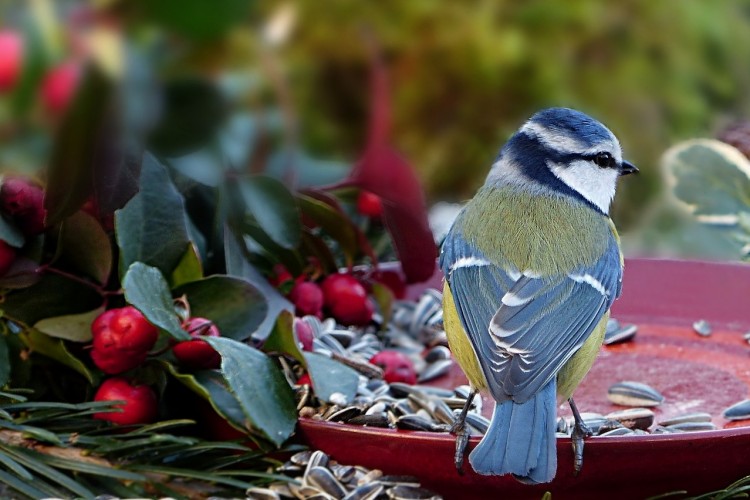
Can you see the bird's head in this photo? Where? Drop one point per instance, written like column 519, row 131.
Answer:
column 563, row 151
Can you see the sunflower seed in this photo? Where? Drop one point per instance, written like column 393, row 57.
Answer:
column 687, row 417
column 620, row 431
column 370, row 476
column 323, row 479
column 738, row 411
column 629, row 393
column 301, row 458
column 393, row 480
column 620, row 335
column 435, row 370
column 317, row 459
column 373, row 420
column 702, row 328
column 478, row 422
column 411, row 493
column 692, row 426
column 437, row 353
column 368, row 491
column 633, row 418
column 747, row 337
column 345, row 414
column 417, row 423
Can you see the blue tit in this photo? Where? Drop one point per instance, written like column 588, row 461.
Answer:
column 532, row 265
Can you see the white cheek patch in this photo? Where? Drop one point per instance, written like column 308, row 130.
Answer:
column 566, row 144
column 594, row 183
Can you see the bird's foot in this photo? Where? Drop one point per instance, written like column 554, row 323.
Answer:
column 460, row 430
column 579, row 433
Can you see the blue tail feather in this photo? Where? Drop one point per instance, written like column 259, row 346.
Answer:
column 521, row 439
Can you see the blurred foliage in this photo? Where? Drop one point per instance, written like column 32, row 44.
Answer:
column 466, row 74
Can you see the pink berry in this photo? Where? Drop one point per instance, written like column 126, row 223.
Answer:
column 346, row 299
column 11, row 59
column 140, row 405
column 7, row 257
column 121, row 339
column 307, row 298
column 369, row 204
column 22, row 199
column 58, row 87
column 198, row 354
column 397, row 367
column 304, row 334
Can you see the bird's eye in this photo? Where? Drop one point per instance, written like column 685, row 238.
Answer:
column 604, row 160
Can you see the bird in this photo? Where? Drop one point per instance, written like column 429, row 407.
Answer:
column 532, row 265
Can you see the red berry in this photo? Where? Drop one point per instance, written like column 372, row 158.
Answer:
column 58, row 87
column 393, row 280
column 7, row 257
column 369, row 204
column 122, row 338
column 281, row 276
column 198, row 354
column 304, row 379
column 397, row 367
column 304, row 334
column 307, row 298
column 11, row 59
column 24, row 201
column 140, row 405
column 346, row 299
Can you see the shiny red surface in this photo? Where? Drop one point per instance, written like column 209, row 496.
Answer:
column 693, row 373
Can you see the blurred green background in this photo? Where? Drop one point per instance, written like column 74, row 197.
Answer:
column 465, row 74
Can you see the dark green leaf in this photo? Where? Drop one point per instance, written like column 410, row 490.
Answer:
column 52, row 296
column 147, row 290
column 258, row 242
column 53, row 348
column 71, row 166
column 151, row 228
column 265, row 397
column 282, row 339
column 22, row 274
column 274, row 208
column 86, row 246
column 235, row 306
column 31, row 460
column 10, row 233
column 211, row 386
column 15, row 467
column 197, row 19
column 192, row 474
column 190, row 267
column 315, row 246
column 73, row 327
column 238, row 265
column 4, row 361
column 331, row 377
column 334, row 222
column 193, row 111
column 384, row 298
column 22, row 486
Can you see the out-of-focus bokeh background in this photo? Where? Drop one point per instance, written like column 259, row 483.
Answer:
column 463, row 76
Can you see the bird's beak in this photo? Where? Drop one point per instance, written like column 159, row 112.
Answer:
column 628, row 168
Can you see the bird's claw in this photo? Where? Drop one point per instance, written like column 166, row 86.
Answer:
column 580, row 432
column 462, row 442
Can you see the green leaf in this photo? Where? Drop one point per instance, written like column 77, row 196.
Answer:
column 712, row 178
column 147, row 290
column 151, row 228
column 235, row 306
column 73, row 327
column 275, row 209
column 34, row 66
column 52, row 296
column 238, row 265
column 282, row 339
column 333, row 222
column 265, row 397
column 330, row 377
column 72, row 163
column 21, row 486
column 211, row 386
column 190, row 267
column 195, row 18
column 384, row 298
column 86, row 246
column 55, row 349
column 10, row 233
column 4, row 361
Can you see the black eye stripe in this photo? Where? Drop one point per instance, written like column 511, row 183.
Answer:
column 602, row 159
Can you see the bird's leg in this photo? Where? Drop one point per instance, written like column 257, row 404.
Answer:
column 462, row 433
column 580, row 431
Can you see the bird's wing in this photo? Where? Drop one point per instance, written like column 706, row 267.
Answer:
column 525, row 327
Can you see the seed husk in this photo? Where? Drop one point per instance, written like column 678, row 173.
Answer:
column 344, row 414
column 437, row 353
column 620, row 335
column 702, row 328
column 368, row 491
column 411, row 493
column 435, row 370
column 692, row 426
column 323, row 479
column 738, row 411
column 478, row 422
column 394, row 480
column 629, row 393
column 620, row 431
column 262, row 494
column 633, row 418
column 371, row 420
column 687, row 417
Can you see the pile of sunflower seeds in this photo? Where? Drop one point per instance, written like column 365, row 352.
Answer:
column 316, row 476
